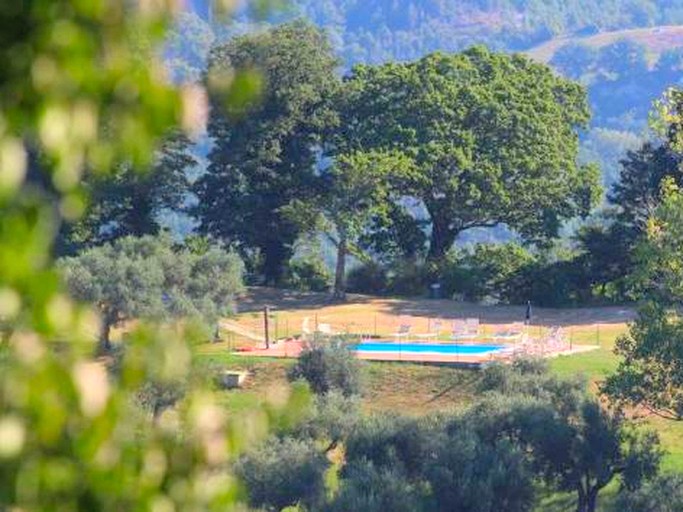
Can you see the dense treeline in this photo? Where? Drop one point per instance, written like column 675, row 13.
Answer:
column 476, row 139
column 393, row 164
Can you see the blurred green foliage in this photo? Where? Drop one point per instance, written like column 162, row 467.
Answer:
column 81, row 91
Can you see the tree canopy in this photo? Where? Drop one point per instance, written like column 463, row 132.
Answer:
column 494, row 139
column 264, row 156
column 145, row 278
column 129, row 201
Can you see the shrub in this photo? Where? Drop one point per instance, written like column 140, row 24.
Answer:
column 663, row 494
column 468, row 474
column 308, row 275
column 555, row 284
column 408, row 278
column 531, row 378
column 331, row 420
column 396, row 463
column 283, row 473
column 370, row 278
column 371, row 489
column 327, row 365
column 390, row 441
column 487, row 271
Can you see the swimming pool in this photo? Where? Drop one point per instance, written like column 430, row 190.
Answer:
column 427, row 348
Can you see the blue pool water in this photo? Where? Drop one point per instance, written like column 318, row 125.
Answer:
column 427, row 348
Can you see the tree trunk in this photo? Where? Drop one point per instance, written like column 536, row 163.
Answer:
column 105, row 333
column 592, row 501
column 442, row 238
column 588, row 499
column 581, row 502
column 156, row 412
column 340, row 272
column 275, row 257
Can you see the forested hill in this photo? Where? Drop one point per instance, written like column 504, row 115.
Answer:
column 378, row 30
column 627, row 52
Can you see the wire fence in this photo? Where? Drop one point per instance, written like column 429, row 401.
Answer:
column 253, row 328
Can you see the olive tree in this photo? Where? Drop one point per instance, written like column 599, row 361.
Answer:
column 146, row 278
column 283, row 473
column 572, row 442
column 328, row 365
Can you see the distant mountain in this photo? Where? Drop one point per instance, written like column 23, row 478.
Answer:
column 655, row 40
column 378, row 30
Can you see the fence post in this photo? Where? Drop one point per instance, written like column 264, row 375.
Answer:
column 266, row 313
column 571, row 339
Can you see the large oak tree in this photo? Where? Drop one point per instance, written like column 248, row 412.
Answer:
column 495, row 138
column 264, row 156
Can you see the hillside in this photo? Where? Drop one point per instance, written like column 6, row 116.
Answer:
column 378, row 30
column 655, row 40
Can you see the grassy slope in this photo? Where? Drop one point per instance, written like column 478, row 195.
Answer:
column 655, row 39
column 419, row 389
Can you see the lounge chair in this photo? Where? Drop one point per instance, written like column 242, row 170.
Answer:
column 467, row 329
column 472, row 326
column 556, row 340
column 434, row 330
column 306, row 331
column 326, row 329
column 402, row 332
column 512, row 332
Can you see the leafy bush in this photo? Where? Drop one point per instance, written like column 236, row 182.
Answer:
column 283, row 473
column 370, row 278
column 332, row 418
column 407, row 464
column 147, row 278
column 390, row 441
column 466, row 473
column 487, row 271
column 308, row 275
column 571, row 441
column 531, row 378
column 663, row 494
column 408, row 278
column 328, row 365
column 556, row 284
column 377, row 489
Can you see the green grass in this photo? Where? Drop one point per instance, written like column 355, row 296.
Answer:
column 594, row 365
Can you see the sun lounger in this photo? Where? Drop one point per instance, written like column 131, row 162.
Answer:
column 326, row 329
column 306, row 328
column 467, row 329
column 511, row 332
column 556, row 340
column 402, row 332
column 434, row 330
